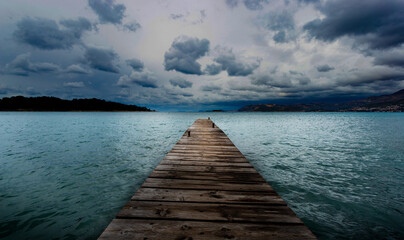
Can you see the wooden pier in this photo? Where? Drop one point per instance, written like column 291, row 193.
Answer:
column 206, row 189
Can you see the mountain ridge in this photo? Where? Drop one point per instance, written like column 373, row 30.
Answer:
column 44, row 103
column 384, row 103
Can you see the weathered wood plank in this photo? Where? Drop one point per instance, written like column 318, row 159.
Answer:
column 223, row 155
column 210, row 158
column 225, row 177
column 206, row 185
column 206, row 196
column 205, row 163
column 139, row 229
column 204, row 169
column 211, row 212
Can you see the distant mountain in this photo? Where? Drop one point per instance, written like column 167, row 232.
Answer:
column 385, row 103
column 20, row 103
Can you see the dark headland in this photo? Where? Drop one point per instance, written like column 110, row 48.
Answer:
column 385, row 103
column 20, row 103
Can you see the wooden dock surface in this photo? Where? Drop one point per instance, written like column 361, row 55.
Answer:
column 206, row 189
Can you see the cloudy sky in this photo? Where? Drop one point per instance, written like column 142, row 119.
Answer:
column 200, row 55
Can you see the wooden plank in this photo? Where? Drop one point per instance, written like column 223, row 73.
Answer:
column 205, row 184
column 205, row 155
column 139, row 229
column 188, row 147
column 210, row 151
column 205, row 188
column 206, row 196
column 205, row 163
column 210, row 158
column 211, row 212
column 224, row 177
column 204, row 169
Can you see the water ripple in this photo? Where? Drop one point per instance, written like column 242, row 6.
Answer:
column 342, row 173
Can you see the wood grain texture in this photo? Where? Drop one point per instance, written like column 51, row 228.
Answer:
column 205, row 188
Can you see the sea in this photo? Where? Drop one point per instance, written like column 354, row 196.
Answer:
column 65, row 175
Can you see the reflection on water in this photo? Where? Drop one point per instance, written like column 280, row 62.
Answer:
column 66, row 175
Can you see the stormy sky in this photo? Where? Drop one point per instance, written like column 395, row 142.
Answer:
column 202, row 55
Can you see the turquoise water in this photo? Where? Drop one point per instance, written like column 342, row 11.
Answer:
column 65, row 175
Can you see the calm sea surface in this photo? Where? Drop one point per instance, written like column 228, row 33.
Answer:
column 66, row 175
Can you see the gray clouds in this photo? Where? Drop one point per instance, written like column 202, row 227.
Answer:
column 211, row 88
column 135, row 64
column 22, row 66
column 77, row 26
column 324, row 68
column 108, row 11
column 282, row 23
column 77, row 69
column 232, row 3
column 180, row 82
column 376, row 24
column 176, row 16
column 391, row 59
column 132, row 26
column 46, row 34
column 249, row 4
column 184, row 53
column 282, row 80
column 254, row 4
column 234, row 67
column 212, row 69
column 144, row 79
column 74, row 84
column 101, row 59
column 266, row 80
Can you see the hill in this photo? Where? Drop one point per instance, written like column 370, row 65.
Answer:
column 385, row 103
column 20, row 103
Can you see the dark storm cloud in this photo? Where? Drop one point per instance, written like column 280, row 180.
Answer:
column 101, row 59
column 45, row 33
column 282, row 23
column 376, row 75
column 303, row 80
column 143, row 79
column 377, row 24
column 180, row 82
column 212, row 69
column 280, row 37
column 132, row 26
column 254, row 4
column 74, row 84
column 393, row 59
column 266, row 80
column 184, row 52
column 294, row 80
column 309, row 1
column 211, row 88
column 108, row 11
column 324, row 68
column 77, row 69
column 233, row 66
column 250, row 4
column 77, row 26
column 177, row 92
column 22, row 66
column 135, row 64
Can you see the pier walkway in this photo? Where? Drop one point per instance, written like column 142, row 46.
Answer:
column 205, row 188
